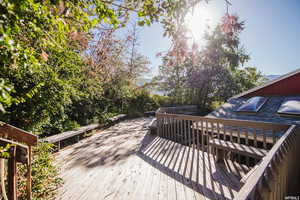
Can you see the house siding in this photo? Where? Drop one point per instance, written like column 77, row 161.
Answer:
column 287, row 87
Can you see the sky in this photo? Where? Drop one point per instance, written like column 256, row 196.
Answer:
column 271, row 35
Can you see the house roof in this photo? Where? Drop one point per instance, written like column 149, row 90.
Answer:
column 268, row 113
column 268, row 84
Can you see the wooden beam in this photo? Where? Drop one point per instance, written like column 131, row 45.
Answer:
column 19, row 135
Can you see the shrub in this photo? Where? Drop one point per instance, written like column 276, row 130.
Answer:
column 45, row 179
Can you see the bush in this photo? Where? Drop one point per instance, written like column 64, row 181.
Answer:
column 141, row 102
column 45, row 179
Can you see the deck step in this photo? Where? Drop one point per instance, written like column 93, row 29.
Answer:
column 238, row 148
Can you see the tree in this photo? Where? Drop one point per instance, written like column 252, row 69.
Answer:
column 53, row 79
column 137, row 64
column 214, row 73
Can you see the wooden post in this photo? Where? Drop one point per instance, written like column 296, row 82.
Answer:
column 12, row 174
column 29, row 173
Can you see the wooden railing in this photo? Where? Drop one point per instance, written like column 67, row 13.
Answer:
column 277, row 176
column 186, row 128
column 274, row 177
column 19, row 149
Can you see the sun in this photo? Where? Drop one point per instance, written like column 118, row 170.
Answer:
column 200, row 20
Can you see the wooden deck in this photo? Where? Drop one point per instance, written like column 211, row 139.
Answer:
column 126, row 162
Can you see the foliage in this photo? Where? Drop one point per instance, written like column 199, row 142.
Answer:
column 41, row 51
column 54, row 78
column 214, row 74
column 4, row 151
column 44, row 174
column 62, row 66
column 140, row 102
column 5, row 97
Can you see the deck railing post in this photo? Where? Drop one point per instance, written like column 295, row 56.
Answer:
column 29, row 196
column 12, row 174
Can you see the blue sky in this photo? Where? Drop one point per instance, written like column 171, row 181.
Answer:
column 271, row 35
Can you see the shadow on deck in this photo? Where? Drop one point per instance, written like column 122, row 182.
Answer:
column 192, row 167
column 124, row 161
column 110, row 147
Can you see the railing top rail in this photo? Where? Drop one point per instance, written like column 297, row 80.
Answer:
column 228, row 122
column 254, row 178
column 13, row 133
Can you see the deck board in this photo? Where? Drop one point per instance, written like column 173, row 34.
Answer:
column 126, row 162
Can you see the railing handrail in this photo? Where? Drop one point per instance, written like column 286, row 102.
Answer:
column 13, row 133
column 254, row 179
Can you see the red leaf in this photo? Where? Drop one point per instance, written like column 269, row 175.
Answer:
column 44, row 55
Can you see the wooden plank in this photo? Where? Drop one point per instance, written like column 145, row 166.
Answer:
column 239, row 148
column 12, row 175
column 19, row 135
column 68, row 134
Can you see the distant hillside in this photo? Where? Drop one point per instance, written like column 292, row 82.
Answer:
column 142, row 81
column 271, row 77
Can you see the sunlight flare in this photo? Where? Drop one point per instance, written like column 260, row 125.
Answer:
column 201, row 19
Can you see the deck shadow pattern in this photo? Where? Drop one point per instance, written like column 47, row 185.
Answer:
column 126, row 162
column 110, row 147
column 193, row 167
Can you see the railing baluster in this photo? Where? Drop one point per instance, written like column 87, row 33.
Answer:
column 185, row 131
column 264, row 139
column 181, row 131
column 163, row 127
column 177, row 130
column 239, row 142
column 168, row 129
column 158, row 126
column 189, row 132
column 172, row 128
column 218, row 130
column 231, row 137
column 224, row 132
column 247, row 143
column 202, row 136
column 193, row 130
column 207, row 136
column 197, row 128
column 274, row 136
column 255, row 137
